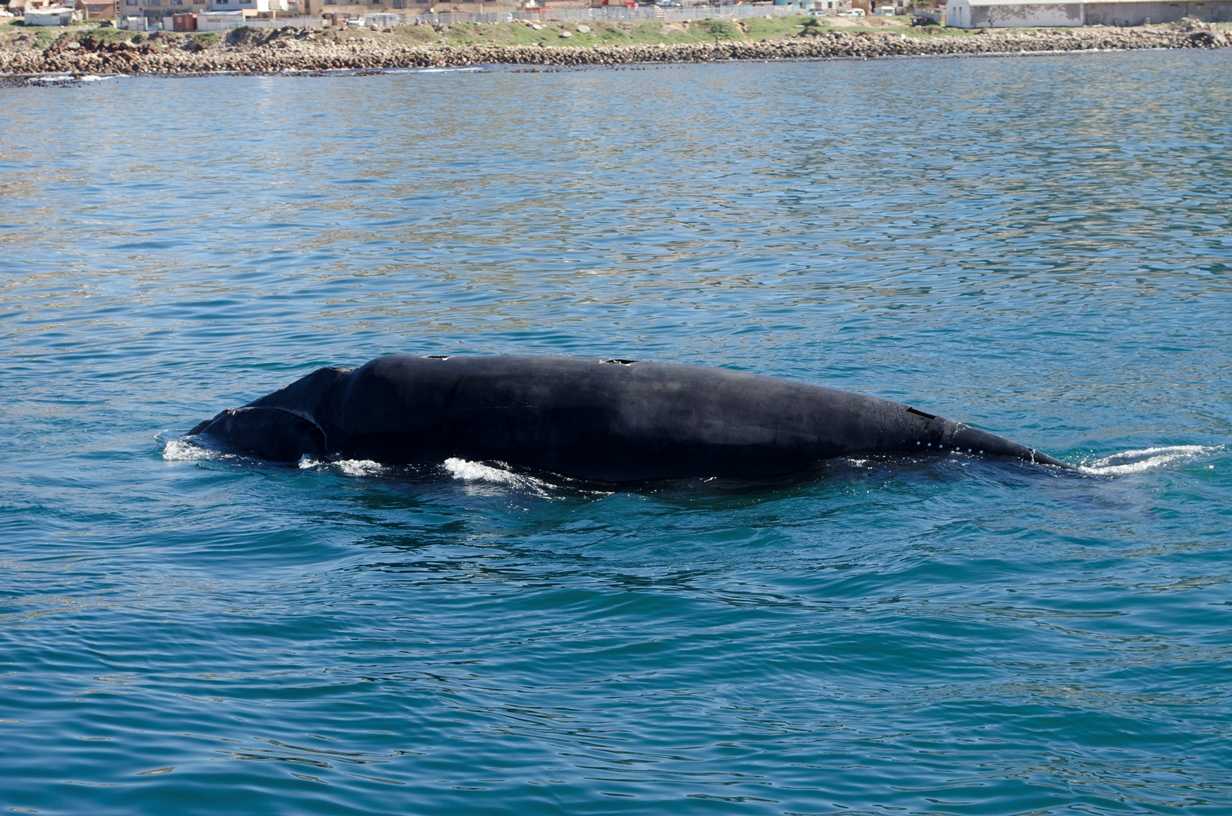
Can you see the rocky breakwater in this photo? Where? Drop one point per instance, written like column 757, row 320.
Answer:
column 290, row 49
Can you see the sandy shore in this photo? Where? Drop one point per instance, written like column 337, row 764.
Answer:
column 290, row 49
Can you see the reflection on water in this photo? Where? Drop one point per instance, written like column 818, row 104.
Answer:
column 1039, row 246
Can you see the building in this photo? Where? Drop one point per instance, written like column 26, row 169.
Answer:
column 250, row 8
column 1050, row 13
column 351, row 8
column 163, row 9
column 22, row 6
column 97, row 9
column 158, row 9
column 51, row 16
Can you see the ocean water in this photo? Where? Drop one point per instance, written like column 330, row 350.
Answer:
column 1039, row 246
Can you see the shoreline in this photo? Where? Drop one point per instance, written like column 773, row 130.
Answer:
column 300, row 51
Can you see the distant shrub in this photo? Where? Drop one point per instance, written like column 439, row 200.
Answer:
column 722, row 29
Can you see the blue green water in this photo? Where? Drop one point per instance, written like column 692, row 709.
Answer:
column 1039, row 246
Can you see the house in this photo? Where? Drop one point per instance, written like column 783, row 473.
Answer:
column 22, row 6
column 51, row 16
column 353, row 8
column 1016, row 13
column 164, row 9
column 157, row 9
column 97, row 9
column 381, row 19
column 219, row 20
column 831, row 6
column 250, row 8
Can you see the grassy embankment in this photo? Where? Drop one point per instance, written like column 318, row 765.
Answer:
column 39, row 37
column 547, row 34
column 650, row 32
column 654, row 32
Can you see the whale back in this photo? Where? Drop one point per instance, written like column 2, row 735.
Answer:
column 616, row 421
column 607, row 420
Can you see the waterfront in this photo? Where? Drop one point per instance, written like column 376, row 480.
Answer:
column 1040, row 246
column 557, row 45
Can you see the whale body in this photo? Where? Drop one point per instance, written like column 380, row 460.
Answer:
column 604, row 421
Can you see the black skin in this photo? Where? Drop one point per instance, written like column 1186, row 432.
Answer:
column 603, row 421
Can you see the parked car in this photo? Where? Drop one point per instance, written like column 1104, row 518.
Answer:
column 853, row 13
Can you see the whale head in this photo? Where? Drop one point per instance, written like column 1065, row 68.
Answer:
column 276, row 434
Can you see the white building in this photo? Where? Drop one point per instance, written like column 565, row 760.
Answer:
column 156, row 9
column 219, row 20
column 51, row 16
column 249, row 7
column 1050, row 13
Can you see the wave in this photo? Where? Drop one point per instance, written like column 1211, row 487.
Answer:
column 181, row 450
column 347, row 467
column 71, row 79
column 465, row 69
column 465, row 470
column 1124, row 463
column 1144, row 459
column 184, row 450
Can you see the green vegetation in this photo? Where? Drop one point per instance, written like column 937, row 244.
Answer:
column 810, row 27
column 926, row 32
column 547, row 34
column 654, row 32
column 103, row 35
column 777, row 28
column 723, row 30
column 43, row 36
column 650, row 32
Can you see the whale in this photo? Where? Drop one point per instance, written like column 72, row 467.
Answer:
column 607, row 421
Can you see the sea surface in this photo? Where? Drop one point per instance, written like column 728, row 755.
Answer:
column 1039, row 246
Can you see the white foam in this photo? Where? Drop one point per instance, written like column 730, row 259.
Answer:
column 69, row 79
column 359, row 467
column 181, row 450
column 347, row 467
column 468, row 471
column 475, row 474
column 1144, row 459
column 469, row 69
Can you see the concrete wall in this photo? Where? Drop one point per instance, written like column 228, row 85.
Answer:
column 964, row 14
column 958, row 13
column 1026, row 15
column 157, row 9
column 61, row 17
column 259, row 6
column 1140, row 13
